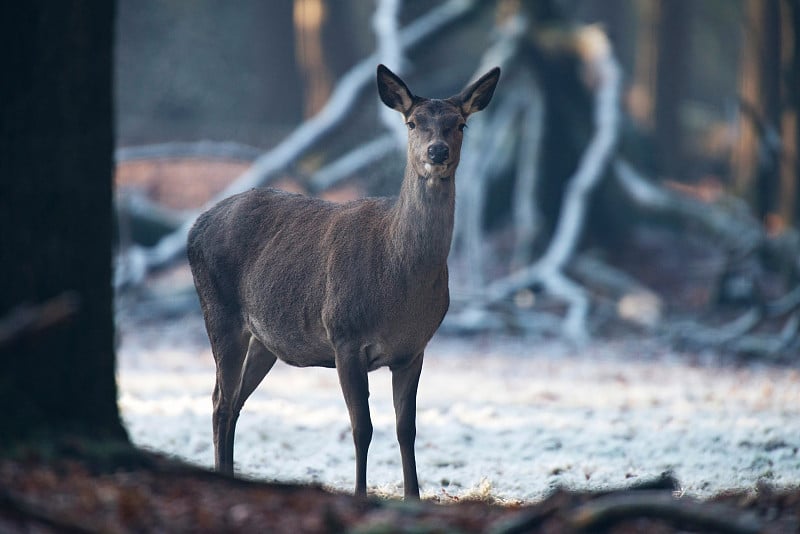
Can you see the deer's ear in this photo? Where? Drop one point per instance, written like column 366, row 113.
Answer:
column 393, row 91
column 477, row 95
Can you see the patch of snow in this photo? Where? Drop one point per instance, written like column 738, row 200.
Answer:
column 511, row 419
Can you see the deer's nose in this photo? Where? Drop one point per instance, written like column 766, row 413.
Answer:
column 438, row 152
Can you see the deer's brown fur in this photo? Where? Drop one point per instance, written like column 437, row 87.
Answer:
column 354, row 286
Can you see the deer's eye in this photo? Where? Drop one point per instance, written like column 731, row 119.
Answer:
column 411, row 125
column 462, row 126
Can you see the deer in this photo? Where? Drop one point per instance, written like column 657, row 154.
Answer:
column 353, row 286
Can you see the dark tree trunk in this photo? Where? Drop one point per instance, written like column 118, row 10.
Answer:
column 790, row 123
column 757, row 156
column 672, row 62
column 769, row 173
column 57, row 362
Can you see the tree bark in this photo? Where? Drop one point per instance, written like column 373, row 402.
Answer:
column 757, row 154
column 56, row 148
column 673, row 48
column 790, row 119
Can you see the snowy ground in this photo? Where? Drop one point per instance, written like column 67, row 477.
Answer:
column 505, row 418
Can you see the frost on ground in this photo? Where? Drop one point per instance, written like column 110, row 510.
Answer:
column 507, row 419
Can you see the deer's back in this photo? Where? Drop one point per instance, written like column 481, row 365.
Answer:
column 302, row 274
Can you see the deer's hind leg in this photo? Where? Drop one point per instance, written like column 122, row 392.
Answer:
column 239, row 372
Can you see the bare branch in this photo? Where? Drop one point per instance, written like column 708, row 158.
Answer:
column 737, row 231
column 718, row 335
column 548, row 270
column 788, row 302
column 29, row 320
column 769, row 344
column 606, row 511
column 527, row 219
column 488, row 134
column 179, row 150
column 592, row 164
column 352, row 162
column 386, row 28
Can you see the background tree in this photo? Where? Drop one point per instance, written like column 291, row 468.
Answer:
column 57, row 329
column 673, row 46
column 756, row 160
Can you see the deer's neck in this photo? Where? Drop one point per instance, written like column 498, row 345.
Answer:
column 421, row 225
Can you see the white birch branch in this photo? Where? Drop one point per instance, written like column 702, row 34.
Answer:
column 486, row 136
column 387, row 37
column 197, row 149
column 482, row 156
column 548, row 270
column 352, row 162
column 525, row 210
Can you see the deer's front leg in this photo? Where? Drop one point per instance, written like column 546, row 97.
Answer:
column 355, row 387
column 404, row 389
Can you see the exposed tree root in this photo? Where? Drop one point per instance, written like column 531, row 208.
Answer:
column 608, row 510
column 163, row 496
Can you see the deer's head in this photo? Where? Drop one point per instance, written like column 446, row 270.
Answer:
column 435, row 127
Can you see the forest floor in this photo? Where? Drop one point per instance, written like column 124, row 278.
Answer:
column 514, row 435
column 501, row 419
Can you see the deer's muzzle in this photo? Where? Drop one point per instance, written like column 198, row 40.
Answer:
column 438, row 153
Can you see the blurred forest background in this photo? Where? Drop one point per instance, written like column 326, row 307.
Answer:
column 636, row 172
